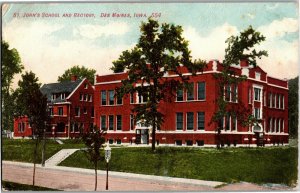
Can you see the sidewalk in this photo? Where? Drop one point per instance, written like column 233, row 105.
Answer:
column 78, row 179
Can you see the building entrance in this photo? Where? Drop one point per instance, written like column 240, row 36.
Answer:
column 142, row 136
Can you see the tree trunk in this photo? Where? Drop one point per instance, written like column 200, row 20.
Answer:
column 34, row 161
column 43, row 149
column 154, row 110
column 153, row 135
column 96, row 176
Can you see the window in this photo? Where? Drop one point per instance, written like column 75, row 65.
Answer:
column 63, row 95
column 179, row 121
column 270, row 125
column 103, row 97
column 110, row 141
column 51, row 111
column 103, row 122
column 190, row 121
column 234, row 93
column 179, row 94
column 77, row 111
column 111, row 122
column 189, row 142
column 279, row 126
column 111, row 97
column 274, row 125
column 75, row 127
column 86, row 97
column 274, row 101
column 201, row 120
column 227, row 92
column 257, row 93
column 86, row 86
column 131, row 98
column 131, row 122
column 119, row 122
column 234, row 123
column 200, row 142
column 227, row 122
column 221, row 123
column 278, row 100
column 21, row 127
column 92, row 112
column 257, row 114
column 81, row 97
column 178, row 143
column 119, row 141
column 90, row 98
column 190, row 92
column 282, row 101
column 60, row 111
column 201, row 90
column 142, row 97
column 53, row 96
column 265, row 96
column 119, row 100
column 257, row 75
column 282, row 125
column 84, row 110
column 270, row 100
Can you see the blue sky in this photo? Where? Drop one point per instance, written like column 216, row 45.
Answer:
column 48, row 46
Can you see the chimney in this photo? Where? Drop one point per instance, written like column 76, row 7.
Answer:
column 244, row 63
column 73, row 78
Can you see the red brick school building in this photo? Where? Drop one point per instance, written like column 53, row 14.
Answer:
column 187, row 119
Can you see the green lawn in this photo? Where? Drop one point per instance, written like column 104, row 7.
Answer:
column 11, row 186
column 258, row 165
column 22, row 149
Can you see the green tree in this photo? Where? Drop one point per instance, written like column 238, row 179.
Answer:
column 239, row 48
column 293, row 106
column 10, row 66
column 161, row 49
column 33, row 103
column 80, row 72
column 94, row 141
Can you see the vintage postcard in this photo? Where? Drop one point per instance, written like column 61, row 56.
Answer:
column 141, row 96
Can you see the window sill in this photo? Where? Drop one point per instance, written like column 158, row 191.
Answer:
column 190, row 101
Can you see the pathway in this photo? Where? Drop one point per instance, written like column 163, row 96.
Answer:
column 59, row 157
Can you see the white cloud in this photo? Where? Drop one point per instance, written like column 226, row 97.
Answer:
column 48, row 58
column 95, row 31
column 279, row 28
column 212, row 45
column 282, row 61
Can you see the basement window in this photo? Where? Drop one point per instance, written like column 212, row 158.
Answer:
column 178, row 143
column 200, row 142
column 189, row 143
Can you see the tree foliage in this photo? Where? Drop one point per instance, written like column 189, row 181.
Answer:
column 94, row 141
column 161, row 49
column 239, row 48
column 31, row 102
column 293, row 101
column 10, row 66
column 81, row 72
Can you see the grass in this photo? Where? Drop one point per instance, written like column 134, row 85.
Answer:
column 22, row 149
column 11, row 186
column 257, row 165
